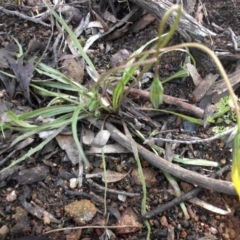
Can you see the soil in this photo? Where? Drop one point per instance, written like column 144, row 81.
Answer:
column 36, row 197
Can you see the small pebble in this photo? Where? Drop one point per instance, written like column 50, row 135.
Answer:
column 162, row 233
column 185, row 224
column 11, row 196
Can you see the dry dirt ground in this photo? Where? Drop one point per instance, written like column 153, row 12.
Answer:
column 38, row 198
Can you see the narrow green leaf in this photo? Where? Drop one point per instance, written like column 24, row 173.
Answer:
column 19, row 122
column 78, row 109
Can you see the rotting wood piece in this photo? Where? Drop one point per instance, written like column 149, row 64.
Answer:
column 188, row 27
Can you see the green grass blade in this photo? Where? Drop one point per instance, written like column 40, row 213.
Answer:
column 53, row 84
column 178, row 193
column 195, row 162
column 78, row 109
column 19, row 122
column 48, row 112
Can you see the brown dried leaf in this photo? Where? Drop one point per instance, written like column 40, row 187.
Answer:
column 109, row 17
column 118, row 32
column 149, row 175
column 72, row 70
column 103, row 23
column 143, row 22
column 113, row 176
column 203, row 87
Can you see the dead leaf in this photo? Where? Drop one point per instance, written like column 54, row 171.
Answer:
column 109, row 17
column 103, row 23
column 129, row 220
column 7, row 55
column 72, row 70
column 95, row 24
column 87, row 136
column 9, row 84
column 118, row 32
column 110, row 148
column 149, row 175
column 81, row 211
column 111, row 176
column 194, row 73
column 209, row 111
column 24, row 74
column 68, row 144
column 101, row 139
column 203, row 87
column 143, row 22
